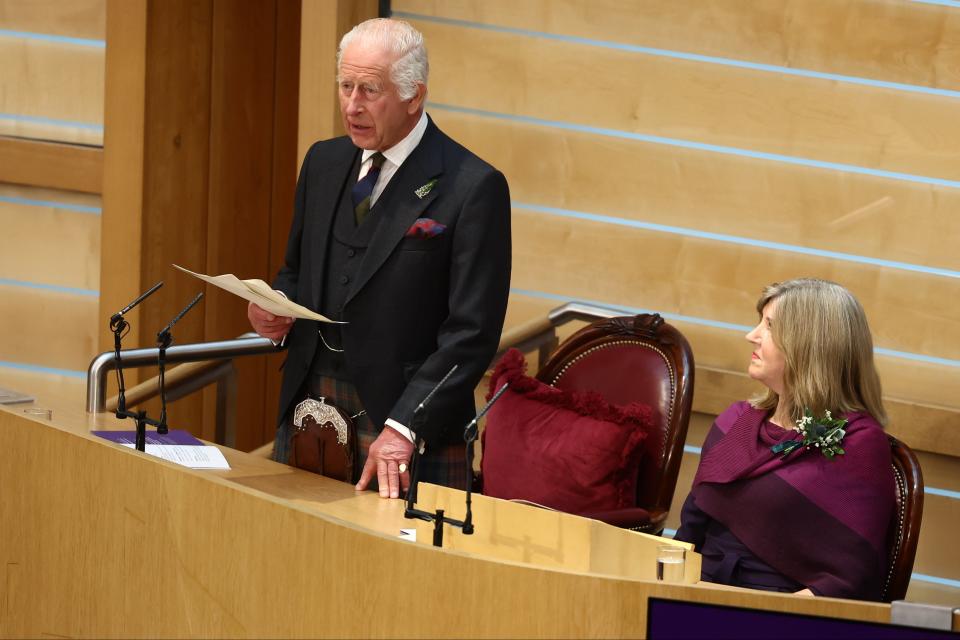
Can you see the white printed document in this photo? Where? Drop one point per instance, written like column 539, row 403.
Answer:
column 260, row 293
column 205, row 457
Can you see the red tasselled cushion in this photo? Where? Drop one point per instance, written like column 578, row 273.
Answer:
column 571, row 451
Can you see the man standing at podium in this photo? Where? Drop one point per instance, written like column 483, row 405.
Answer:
column 404, row 235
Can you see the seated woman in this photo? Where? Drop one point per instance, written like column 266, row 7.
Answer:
column 794, row 491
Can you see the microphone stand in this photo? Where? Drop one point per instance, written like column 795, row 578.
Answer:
column 411, row 512
column 164, row 340
column 120, row 327
column 470, row 433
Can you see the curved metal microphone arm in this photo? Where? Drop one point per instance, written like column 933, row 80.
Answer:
column 423, row 404
column 116, row 320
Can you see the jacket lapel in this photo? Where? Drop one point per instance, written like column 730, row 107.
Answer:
column 338, row 178
column 400, row 205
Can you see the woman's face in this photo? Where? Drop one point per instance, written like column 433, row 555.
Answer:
column 766, row 362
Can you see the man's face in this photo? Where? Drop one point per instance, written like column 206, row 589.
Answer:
column 373, row 114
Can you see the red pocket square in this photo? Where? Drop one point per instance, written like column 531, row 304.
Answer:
column 425, row 228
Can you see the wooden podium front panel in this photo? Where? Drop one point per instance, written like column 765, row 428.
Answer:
column 545, row 538
column 101, row 541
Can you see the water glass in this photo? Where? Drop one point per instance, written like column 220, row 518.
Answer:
column 671, row 560
column 37, row 412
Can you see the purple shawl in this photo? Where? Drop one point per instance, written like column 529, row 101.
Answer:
column 820, row 522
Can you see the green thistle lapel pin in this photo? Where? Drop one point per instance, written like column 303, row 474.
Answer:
column 425, row 189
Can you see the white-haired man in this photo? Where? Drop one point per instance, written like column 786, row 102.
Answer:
column 404, row 235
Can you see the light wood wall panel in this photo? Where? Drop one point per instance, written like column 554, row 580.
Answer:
column 47, row 328
column 719, row 282
column 50, row 248
column 52, row 80
column 49, row 244
column 891, row 40
column 49, row 258
column 941, row 518
column 40, row 384
column 54, row 165
column 747, row 198
column 705, row 103
column 70, row 18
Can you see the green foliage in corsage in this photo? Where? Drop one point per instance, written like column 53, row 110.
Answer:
column 824, row 433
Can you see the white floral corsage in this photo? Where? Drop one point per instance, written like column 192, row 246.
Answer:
column 824, row 433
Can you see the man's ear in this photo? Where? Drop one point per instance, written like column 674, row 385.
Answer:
column 415, row 104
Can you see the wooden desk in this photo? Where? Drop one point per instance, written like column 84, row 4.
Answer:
column 101, row 541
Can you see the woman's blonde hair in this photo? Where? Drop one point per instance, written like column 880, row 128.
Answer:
column 828, row 352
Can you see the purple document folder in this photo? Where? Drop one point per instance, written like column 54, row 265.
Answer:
column 175, row 436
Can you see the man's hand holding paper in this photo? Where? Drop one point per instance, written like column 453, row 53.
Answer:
column 268, row 324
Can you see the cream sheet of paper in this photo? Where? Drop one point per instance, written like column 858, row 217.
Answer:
column 259, row 292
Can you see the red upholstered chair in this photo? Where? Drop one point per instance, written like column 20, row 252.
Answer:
column 635, row 359
column 905, row 524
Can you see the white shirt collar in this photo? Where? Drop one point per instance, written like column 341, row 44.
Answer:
column 402, row 150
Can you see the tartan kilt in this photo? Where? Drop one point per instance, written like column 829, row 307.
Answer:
column 443, row 464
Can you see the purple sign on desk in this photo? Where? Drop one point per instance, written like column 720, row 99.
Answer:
column 174, row 436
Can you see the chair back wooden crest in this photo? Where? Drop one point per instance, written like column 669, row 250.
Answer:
column 636, row 359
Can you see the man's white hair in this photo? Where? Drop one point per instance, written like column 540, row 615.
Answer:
column 410, row 66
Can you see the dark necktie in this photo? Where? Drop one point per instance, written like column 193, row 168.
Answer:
column 364, row 188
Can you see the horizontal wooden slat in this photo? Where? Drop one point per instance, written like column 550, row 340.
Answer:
column 741, row 108
column 924, row 427
column 67, row 199
column 46, row 328
column 800, row 206
column 51, row 165
column 43, row 130
column 49, row 245
column 42, row 385
column 53, row 81
column 891, row 40
column 70, row 18
column 941, row 516
column 931, row 593
column 718, row 281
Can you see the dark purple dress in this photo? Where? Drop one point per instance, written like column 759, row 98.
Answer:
column 806, row 521
column 726, row 560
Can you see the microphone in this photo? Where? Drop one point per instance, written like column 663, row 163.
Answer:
column 164, row 334
column 116, row 320
column 469, row 436
column 164, row 340
column 426, row 400
column 470, row 431
column 418, row 446
column 119, row 328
